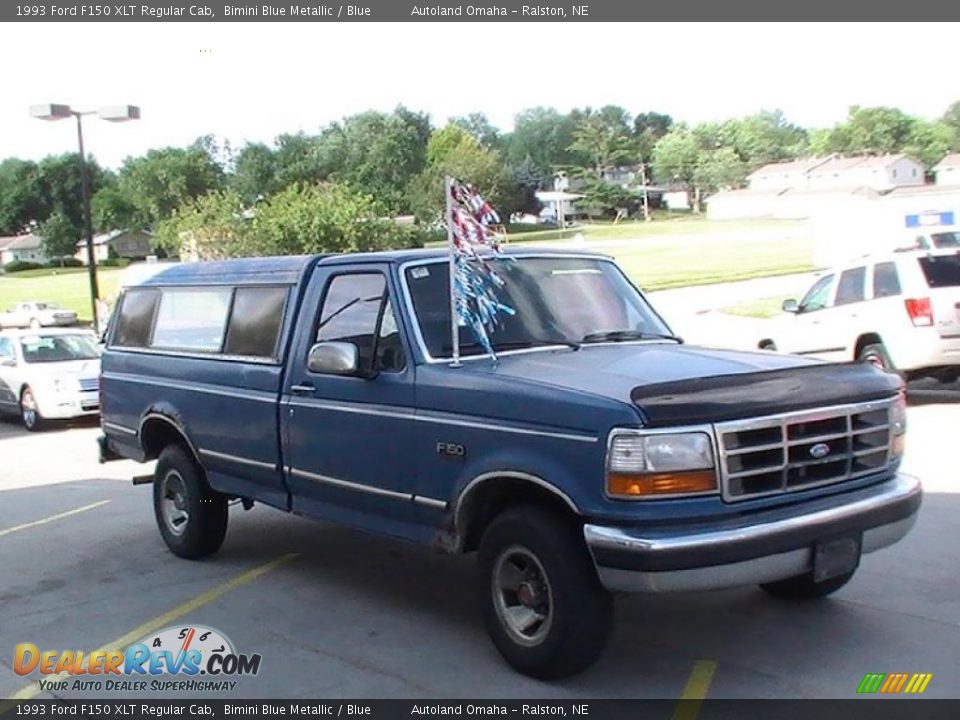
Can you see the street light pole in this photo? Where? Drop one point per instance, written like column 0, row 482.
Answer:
column 116, row 113
column 88, row 224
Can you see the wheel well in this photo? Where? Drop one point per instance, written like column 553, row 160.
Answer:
column 158, row 432
column 863, row 341
column 493, row 496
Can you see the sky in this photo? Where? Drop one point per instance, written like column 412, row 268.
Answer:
column 253, row 81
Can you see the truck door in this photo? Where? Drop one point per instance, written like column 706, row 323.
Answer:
column 349, row 437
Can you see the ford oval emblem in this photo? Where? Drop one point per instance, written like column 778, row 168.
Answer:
column 820, row 450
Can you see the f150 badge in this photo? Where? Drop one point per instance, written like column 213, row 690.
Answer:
column 453, row 450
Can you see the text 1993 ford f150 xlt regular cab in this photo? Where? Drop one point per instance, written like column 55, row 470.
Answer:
column 597, row 454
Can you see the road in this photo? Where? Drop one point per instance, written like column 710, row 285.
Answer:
column 352, row 615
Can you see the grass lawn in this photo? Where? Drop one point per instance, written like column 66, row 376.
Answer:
column 766, row 307
column 68, row 287
column 664, row 224
column 664, row 263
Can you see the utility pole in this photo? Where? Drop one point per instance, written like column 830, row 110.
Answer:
column 646, row 194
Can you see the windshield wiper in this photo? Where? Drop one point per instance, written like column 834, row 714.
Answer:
column 626, row 336
column 517, row 344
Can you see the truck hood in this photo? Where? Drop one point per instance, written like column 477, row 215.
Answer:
column 67, row 368
column 682, row 384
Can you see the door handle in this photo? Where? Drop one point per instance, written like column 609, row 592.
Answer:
column 305, row 389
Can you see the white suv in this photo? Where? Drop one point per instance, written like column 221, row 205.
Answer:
column 900, row 311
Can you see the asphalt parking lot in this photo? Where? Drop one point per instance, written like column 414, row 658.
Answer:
column 336, row 613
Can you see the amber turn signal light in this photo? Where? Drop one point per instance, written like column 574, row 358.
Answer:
column 672, row 483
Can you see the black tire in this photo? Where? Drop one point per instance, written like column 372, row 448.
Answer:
column 768, row 345
column 30, row 414
column 803, row 587
column 876, row 354
column 191, row 516
column 559, row 583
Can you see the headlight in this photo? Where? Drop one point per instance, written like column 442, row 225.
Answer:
column 642, row 465
column 898, row 424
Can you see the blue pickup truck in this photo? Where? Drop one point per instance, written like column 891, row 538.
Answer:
column 596, row 453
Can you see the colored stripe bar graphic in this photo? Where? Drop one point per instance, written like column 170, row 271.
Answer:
column 894, row 683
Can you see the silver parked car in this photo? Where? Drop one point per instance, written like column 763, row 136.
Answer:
column 37, row 315
column 49, row 374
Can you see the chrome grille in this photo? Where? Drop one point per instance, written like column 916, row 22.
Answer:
column 795, row 451
column 89, row 384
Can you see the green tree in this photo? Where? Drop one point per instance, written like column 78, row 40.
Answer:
column 482, row 130
column 602, row 140
column 377, row 153
column 255, row 173
column 952, row 116
column 59, row 236
column 21, row 201
column 675, row 157
column 763, row 138
column 930, row 141
column 719, row 169
column 152, row 187
column 647, row 129
column 543, row 136
column 453, row 152
column 212, row 226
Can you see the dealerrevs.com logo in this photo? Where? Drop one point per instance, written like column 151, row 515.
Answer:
column 180, row 655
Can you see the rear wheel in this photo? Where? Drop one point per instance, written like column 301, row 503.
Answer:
column 876, row 354
column 29, row 412
column 544, row 607
column 804, row 587
column 191, row 516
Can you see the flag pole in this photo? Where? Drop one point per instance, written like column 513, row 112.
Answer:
column 454, row 320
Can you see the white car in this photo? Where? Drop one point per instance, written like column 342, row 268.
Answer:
column 37, row 315
column 899, row 311
column 49, row 374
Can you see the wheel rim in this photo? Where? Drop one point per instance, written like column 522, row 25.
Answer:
column 173, row 499
column 28, row 408
column 876, row 361
column 522, row 595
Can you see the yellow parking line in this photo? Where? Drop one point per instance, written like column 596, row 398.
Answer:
column 159, row 622
column 695, row 691
column 58, row 516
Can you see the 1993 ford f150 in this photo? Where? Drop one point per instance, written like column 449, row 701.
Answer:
column 597, row 454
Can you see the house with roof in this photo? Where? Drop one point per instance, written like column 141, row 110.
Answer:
column 131, row 244
column 23, row 248
column 947, row 171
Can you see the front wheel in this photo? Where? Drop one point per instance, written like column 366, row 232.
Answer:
column 804, row 587
column 544, row 606
column 29, row 412
column 191, row 516
column 876, row 354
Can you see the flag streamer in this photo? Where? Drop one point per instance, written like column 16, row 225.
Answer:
column 473, row 279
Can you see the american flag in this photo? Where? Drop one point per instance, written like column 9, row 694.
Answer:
column 474, row 281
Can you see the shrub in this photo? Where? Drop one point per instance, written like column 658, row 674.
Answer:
column 21, row 265
column 65, row 262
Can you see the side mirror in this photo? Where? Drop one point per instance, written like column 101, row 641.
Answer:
column 790, row 306
column 334, row 358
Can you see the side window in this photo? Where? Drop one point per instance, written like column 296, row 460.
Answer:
column 192, row 319
column 6, row 350
column 357, row 309
column 817, row 296
column 135, row 319
column 255, row 321
column 886, row 283
column 850, row 287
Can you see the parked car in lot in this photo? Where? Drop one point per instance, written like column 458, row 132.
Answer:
column 596, row 453
column 49, row 374
column 36, row 315
column 899, row 311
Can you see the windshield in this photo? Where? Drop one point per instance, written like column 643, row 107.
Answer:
column 557, row 300
column 941, row 270
column 58, row 348
column 946, row 239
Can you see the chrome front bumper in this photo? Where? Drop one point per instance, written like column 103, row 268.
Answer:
column 766, row 546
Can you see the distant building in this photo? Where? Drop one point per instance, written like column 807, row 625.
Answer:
column 131, row 244
column 23, row 248
column 947, row 171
